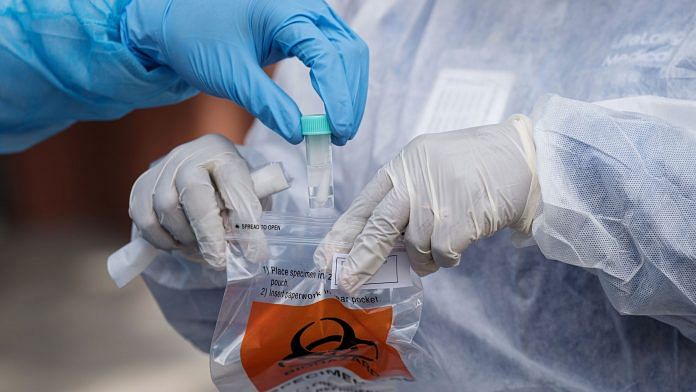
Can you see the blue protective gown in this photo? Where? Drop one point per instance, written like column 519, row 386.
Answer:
column 63, row 61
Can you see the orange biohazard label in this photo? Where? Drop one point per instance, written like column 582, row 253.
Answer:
column 282, row 342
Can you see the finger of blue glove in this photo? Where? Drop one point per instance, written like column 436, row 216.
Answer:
column 265, row 100
column 355, row 56
column 303, row 39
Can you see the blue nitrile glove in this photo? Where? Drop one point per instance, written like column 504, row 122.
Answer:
column 220, row 47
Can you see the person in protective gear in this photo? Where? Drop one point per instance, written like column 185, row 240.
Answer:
column 615, row 203
column 68, row 61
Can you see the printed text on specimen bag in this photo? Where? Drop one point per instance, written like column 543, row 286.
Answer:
column 282, row 326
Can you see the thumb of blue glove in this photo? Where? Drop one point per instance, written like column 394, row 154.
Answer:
column 221, row 47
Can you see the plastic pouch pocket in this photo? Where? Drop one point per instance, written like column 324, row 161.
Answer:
column 282, row 326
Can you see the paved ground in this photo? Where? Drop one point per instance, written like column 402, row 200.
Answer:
column 64, row 326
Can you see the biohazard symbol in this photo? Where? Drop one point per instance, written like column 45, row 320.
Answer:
column 347, row 342
column 288, row 342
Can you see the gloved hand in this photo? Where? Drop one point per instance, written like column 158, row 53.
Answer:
column 220, row 47
column 445, row 190
column 176, row 204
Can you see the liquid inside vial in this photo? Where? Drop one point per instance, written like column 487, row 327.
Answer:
column 320, row 183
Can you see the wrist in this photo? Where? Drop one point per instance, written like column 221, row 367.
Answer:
column 141, row 30
column 524, row 127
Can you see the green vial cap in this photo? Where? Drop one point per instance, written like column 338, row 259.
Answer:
column 315, row 124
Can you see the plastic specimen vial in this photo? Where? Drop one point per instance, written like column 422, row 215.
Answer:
column 317, row 136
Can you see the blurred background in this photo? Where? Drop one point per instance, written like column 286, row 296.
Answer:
column 63, row 209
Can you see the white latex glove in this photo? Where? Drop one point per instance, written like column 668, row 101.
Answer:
column 176, row 204
column 445, row 191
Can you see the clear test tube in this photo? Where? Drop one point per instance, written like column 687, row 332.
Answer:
column 317, row 136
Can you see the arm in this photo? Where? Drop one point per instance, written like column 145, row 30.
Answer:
column 617, row 196
column 64, row 61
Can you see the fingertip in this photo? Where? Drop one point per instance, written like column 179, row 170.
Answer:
column 293, row 126
column 289, row 133
column 338, row 141
column 212, row 251
column 358, row 269
column 215, row 260
column 295, row 138
column 445, row 258
column 349, row 283
column 272, row 106
column 218, row 265
column 352, row 135
column 424, row 270
column 255, row 249
column 289, row 127
column 323, row 256
column 340, row 128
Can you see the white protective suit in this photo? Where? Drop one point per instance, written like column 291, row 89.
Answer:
column 618, row 190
